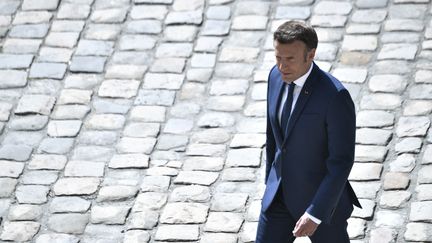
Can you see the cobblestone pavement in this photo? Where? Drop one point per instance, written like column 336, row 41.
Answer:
column 144, row 120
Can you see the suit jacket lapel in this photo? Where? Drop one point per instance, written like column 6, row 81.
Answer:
column 275, row 102
column 301, row 101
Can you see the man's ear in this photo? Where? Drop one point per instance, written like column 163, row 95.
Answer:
column 311, row 54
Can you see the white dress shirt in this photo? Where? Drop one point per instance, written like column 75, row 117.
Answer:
column 299, row 83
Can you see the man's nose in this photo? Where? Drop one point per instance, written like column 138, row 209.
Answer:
column 283, row 65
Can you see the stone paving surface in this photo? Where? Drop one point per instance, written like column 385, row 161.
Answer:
column 144, row 120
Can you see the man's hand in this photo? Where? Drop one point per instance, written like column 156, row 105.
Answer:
column 304, row 227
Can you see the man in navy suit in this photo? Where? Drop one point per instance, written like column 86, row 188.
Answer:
column 310, row 146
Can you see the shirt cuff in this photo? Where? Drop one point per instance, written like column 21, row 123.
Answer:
column 315, row 220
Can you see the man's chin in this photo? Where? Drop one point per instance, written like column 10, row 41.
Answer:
column 286, row 78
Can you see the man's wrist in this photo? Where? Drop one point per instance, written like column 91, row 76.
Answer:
column 314, row 219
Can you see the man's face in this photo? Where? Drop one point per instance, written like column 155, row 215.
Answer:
column 293, row 59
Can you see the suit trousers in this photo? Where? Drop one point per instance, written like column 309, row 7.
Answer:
column 276, row 225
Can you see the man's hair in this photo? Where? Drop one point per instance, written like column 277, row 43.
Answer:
column 291, row 31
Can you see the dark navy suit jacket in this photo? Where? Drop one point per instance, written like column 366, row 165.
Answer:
column 313, row 159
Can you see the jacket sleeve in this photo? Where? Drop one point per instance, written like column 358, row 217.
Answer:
column 270, row 140
column 340, row 122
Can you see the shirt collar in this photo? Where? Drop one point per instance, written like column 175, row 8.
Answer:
column 301, row 81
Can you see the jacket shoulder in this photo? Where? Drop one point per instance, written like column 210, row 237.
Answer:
column 330, row 82
column 274, row 74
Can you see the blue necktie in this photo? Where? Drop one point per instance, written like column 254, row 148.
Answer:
column 286, row 112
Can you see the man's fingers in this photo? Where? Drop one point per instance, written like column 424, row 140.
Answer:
column 299, row 228
column 304, row 227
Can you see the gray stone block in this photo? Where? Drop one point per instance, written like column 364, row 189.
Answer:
column 223, row 222
column 119, row 71
column 29, row 31
column 56, row 145
column 408, row 145
column 94, row 48
column 12, row 79
column 27, row 138
column 180, row 33
column 48, row 162
column 252, row 8
column 9, row 61
column 39, row 177
column 69, row 205
column 70, row 223
column 218, row 12
column 84, row 169
column 421, row 211
column 87, row 64
column 100, row 138
column 111, row 15
column 21, row 46
column 412, row 126
column 32, row 17
column 49, row 54
column 40, row 4
column 75, row 186
column 102, row 31
column 67, row 25
column 366, row 171
column 421, row 92
column 39, row 104
column 116, row 193
column 380, row 102
column 131, row 57
column 329, row 21
column 115, row 106
column 123, row 161
column 9, row 7
column 73, row 11
column 192, row 193
column 136, row 236
column 418, row 232
column 149, row 11
column 32, row 194
column 288, row 12
column 136, row 145
column 184, row 213
column 155, row 97
column 62, row 39
column 109, row 214
column 25, row 212
column 136, row 42
column 19, row 231
column 168, row 65
column 15, row 152
column 149, row 201
column 170, row 142
column 54, row 237
column 239, row 54
column 177, row 232
column 118, row 89
column 11, row 169
column 398, row 51
column 48, row 70
column 143, row 220
column 92, row 153
column 184, row 17
column 196, row 177
column 8, row 187
column 202, row 163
